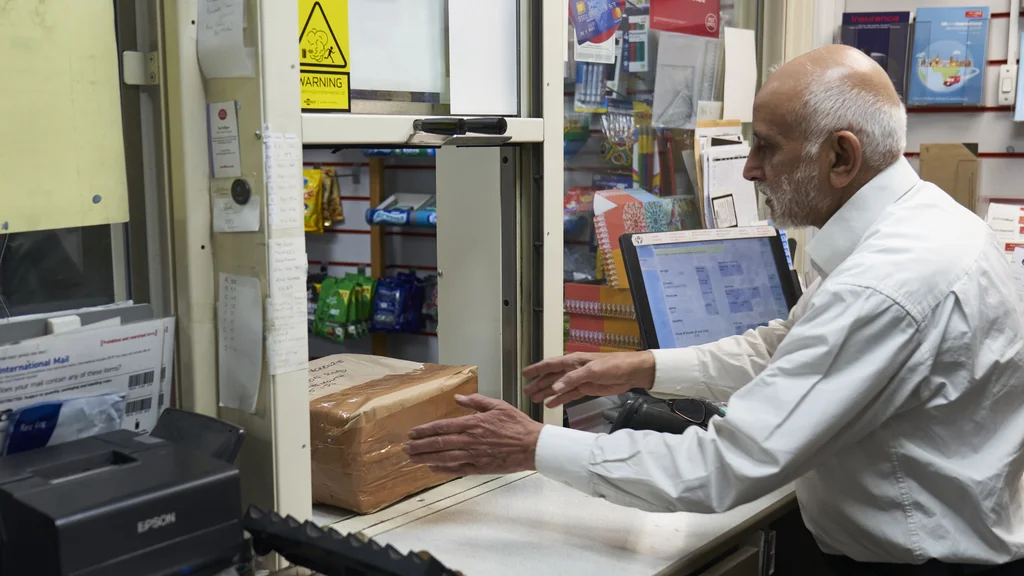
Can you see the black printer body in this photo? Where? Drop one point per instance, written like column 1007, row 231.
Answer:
column 117, row 504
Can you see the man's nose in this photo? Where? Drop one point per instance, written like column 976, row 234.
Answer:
column 752, row 169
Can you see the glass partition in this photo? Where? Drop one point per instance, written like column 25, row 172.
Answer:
column 629, row 124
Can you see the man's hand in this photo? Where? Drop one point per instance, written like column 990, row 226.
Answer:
column 497, row 440
column 567, row 378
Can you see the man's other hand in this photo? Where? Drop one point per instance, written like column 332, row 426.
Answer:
column 567, row 378
column 498, row 439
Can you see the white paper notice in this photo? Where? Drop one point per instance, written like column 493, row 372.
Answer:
column 602, row 53
column 239, row 341
column 229, row 216
column 287, row 347
column 1007, row 221
column 220, row 42
column 724, row 177
column 740, row 74
column 284, row 181
column 226, row 158
column 1017, row 267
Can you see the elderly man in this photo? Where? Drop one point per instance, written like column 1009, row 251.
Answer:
column 893, row 396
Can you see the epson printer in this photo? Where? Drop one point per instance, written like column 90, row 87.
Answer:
column 118, row 503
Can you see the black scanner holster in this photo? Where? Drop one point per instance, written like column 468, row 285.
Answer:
column 672, row 416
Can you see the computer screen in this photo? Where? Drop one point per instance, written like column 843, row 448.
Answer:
column 697, row 290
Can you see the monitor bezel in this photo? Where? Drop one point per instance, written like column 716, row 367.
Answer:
column 635, row 277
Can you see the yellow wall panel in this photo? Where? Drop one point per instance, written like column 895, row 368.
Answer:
column 61, row 144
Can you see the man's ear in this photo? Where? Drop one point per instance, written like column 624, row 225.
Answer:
column 846, row 158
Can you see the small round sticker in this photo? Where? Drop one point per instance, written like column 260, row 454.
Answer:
column 711, row 22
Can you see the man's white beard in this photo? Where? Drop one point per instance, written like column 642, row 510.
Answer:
column 795, row 199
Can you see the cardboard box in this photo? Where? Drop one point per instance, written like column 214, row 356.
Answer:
column 954, row 168
column 361, row 411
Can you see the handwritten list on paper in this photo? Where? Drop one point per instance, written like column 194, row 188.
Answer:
column 220, row 40
column 284, row 181
column 239, row 341
column 286, row 306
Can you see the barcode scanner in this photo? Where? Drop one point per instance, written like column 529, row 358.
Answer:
column 670, row 416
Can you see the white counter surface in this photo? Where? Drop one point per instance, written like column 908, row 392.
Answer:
column 527, row 524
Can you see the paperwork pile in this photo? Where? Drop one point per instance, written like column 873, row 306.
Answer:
column 130, row 362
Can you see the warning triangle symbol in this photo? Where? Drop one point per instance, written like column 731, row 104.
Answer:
column 318, row 47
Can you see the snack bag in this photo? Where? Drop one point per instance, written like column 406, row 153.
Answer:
column 331, row 311
column 312, row 197
column 363, row 304
column 332, row 200
column 327, row 183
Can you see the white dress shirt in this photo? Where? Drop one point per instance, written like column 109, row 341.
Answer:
column 893, row 396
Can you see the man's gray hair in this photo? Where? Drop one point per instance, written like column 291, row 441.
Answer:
column 832, row 103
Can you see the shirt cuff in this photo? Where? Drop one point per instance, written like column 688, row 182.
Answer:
column 677, row 373
column 564, row 455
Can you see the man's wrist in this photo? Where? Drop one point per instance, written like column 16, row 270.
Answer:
column 646, row 369
column 564, row 455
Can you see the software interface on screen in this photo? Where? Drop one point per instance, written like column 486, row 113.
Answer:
column 702, row 291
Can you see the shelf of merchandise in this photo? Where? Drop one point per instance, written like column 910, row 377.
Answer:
column 386, row 129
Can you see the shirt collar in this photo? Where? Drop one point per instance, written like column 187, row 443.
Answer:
column 844, row 230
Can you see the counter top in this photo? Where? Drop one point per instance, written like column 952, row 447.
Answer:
column 527, row 524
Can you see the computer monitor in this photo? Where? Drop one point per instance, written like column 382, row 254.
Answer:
column 698, row 286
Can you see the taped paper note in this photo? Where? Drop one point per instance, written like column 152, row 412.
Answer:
column 221, row 45
column 286, row 307
column 240, row 341
column 229, row 216
column 284, row 181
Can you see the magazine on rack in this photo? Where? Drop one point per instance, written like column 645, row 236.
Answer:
column 885, row 38
column 948, row 63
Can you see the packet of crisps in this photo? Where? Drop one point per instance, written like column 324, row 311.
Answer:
column 331, row 311
column 312, row 198
column 327, row 183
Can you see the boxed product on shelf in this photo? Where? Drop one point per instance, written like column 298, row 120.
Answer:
column 361, row 411
column 597, row 300
column 571, row 347
column 615, row 332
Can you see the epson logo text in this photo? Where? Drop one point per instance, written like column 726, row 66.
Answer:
column 156, row 522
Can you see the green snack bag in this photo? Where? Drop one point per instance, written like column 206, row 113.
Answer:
column 365, row 303
column 347, row 290
column 332, row 310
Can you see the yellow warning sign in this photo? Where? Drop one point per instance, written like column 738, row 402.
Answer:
column 323, row 55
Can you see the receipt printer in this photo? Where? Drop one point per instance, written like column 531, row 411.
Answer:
column 118, row 504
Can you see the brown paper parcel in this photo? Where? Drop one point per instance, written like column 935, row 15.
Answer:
column 361, row 411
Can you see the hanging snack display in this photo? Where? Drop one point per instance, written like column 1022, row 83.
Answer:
column 343, row 307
